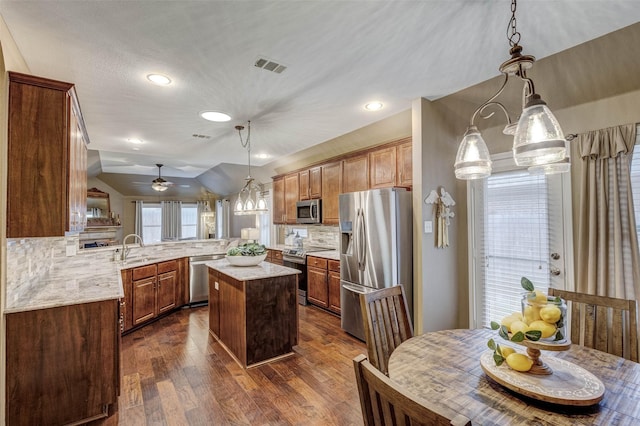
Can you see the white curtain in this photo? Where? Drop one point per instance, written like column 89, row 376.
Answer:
column 138, row 219
column 607, row 261
column 222, row 218
column 201, row 228
column 171, row 220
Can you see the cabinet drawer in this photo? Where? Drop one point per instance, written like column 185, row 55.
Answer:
column 317, row 262
column 334, row 265
column 277, row 255
column 144, row 272
column 168, row 266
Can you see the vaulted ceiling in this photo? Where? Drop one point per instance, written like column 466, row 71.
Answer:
column 338, row 55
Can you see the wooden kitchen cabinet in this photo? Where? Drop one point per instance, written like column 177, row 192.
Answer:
column 334, row 286
column 214, row 303
column 317, row 281
column 278, row 201
column 274, row 256
column 382, row 168
column 311, row 183
column 355, row 174
column 404, row 173
column 291, row 197
column 153, row 290
column 331, row 187
column 63, row 364
column 46, row 167
column 323, row 283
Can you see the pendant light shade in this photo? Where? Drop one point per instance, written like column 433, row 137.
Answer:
column 539, row 138
column 473, row 160
column 250, row 199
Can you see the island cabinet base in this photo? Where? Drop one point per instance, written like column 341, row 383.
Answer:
column 255, row 320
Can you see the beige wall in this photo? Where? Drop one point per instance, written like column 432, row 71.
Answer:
column 10, row 60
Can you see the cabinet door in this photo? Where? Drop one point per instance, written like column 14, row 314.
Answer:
column 291, row 189
column 331, row 186
column 214, row 303
column 317, row 290
column 405, row 165
column 144, row 300
column 315, row 182
column 382, row 167
column 278, row 201
column 277, row 257
column 334, row 291
column 355, row 174
column 304, row 185
column 167, row 291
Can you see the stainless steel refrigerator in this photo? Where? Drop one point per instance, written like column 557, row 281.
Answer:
column 375, row 249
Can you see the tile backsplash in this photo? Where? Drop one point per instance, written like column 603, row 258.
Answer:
column 316, row 236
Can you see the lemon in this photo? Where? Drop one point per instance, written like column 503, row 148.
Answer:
column 540, row 297
column 517, row 315
column 508, row 320
column 519, row 326
column 531, row 314
column 519, row 362
column 547, row 329
column 550, row 314
column 506, row 351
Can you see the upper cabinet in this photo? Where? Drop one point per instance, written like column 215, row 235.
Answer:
column 404, row 168
column 311, row 183
column 355, row 174
column 291, row 196
column 379, row 167
column 331, row 185
column 278, row 200
column 47, row 159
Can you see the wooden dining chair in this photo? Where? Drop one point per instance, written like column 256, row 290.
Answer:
column 386, row 323
column 384, row 402
column 603, row 323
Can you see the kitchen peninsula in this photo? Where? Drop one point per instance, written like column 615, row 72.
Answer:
column 253, row 310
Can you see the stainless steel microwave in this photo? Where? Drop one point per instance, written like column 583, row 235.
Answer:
column 309, row 211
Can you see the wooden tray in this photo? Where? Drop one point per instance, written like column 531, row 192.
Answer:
column 568, row 385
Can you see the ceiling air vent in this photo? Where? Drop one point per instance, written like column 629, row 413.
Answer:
column 196, row 135
column 269, row 65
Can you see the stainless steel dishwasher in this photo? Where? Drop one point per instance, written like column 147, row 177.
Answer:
column 199, row 277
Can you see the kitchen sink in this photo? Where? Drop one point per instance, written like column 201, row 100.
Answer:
column 139, row 260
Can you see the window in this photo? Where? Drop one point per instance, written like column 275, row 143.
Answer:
column 189, row 216
column 517, row 223
column 151, row 223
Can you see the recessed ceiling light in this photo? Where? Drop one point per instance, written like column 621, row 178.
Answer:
column 135, row 141
column 159, row 79
column 215, row 116
column 262, row 155
column 373, row 106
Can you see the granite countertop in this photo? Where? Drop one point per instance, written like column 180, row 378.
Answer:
column 85, row 278
column 249, row 273
column 327, row 254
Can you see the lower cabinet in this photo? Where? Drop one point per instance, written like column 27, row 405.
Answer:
column 274, row 256
column 323, row 283
column 152, row 290
column 63, row 364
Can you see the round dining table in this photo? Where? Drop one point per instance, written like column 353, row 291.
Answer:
column 444, row 367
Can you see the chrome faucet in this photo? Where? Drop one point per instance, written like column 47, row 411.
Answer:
column 125, row 249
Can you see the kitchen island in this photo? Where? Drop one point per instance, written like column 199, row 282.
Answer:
column 253, row 310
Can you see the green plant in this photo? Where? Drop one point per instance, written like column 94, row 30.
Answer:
column 247, row 249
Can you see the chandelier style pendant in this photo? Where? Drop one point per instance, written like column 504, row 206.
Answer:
column 538, row 141
column 250, row 199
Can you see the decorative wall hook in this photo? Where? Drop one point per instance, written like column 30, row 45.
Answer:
column 442, row 204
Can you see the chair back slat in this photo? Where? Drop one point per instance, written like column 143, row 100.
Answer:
column 384, row 402
column 604, row 323
column 386, row 323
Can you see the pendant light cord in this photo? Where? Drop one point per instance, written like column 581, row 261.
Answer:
column 247, row 143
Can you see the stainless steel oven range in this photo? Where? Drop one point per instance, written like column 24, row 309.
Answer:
column 297, row 258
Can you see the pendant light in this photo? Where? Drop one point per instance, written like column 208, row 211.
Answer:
column 250, row 199
column 538, row 139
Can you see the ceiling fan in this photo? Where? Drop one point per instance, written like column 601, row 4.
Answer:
column 160, row 184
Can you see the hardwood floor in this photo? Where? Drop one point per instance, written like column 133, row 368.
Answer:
column 175, row 373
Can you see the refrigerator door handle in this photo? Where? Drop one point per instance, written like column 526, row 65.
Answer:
column 362, row 249
column 357, row 288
